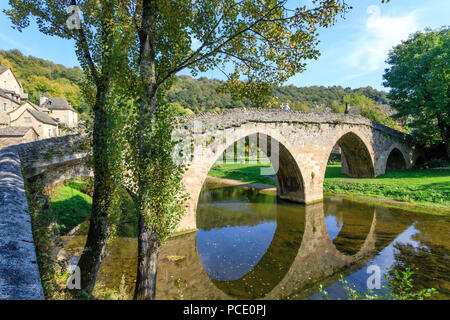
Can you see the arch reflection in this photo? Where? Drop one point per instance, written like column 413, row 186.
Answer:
column 351, row 225
column 251, row 266
column 301, row 251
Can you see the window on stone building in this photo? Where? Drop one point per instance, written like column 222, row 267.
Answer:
column 4, row 107
column 27, row 119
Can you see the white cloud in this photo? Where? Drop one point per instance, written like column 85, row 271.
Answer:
column 380, row 34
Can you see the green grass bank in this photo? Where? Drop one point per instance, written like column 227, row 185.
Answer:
column 426, row 189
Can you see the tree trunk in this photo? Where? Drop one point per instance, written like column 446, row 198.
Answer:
column 92, row 255
column 148, row 248
column 148, row 243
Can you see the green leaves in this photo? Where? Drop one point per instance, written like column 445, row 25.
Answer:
column 419, row 78
column 400, row 286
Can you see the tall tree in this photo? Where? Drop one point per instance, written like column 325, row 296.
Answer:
column 101, row 51
column 419, row 78
column 255, row 43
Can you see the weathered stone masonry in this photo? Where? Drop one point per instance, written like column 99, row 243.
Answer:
column 19, row 272
column 304, row 141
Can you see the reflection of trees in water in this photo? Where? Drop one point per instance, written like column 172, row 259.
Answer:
column 235, row 194
column 258, row 208
column 357, row 221
column 277, row 260
column 430, row 265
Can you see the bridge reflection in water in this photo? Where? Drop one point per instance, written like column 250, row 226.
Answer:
column 251, row 246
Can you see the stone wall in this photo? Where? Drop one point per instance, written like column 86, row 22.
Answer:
column 19, row 272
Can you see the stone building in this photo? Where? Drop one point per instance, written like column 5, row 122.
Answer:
column 11, row 90
column 43, row 124
column 15, row 135
column 22, row 115
column 61, row 110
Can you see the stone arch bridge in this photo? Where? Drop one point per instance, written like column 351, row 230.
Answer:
column 299, row 143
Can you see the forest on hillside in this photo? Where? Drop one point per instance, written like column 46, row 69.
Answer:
column 187, row 95
column 199, row 95
column 40, row 76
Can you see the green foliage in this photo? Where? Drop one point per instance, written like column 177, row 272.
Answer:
column 179, row 110
column 367, row 108
column 202, row 95
column 39, row 76
column 356, row 99
column 158, row 174
column 399, row 287
column 419, row 78
column 103, row 293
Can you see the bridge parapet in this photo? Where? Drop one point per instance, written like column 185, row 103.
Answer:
column 237, row 117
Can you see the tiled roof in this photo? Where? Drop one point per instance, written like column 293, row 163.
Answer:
column 42, row 117
column 10, row 95
column 59, row 103
column 14, row 131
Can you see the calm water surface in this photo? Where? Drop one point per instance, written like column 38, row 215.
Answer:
column 250, row 245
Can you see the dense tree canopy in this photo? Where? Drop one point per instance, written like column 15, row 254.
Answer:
column 39, row 76
column 419, row 77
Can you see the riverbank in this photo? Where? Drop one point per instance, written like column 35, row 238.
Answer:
column 419, row 190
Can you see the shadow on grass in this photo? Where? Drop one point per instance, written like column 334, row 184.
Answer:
column 71, row 212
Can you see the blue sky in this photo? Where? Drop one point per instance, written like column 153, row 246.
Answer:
column 352, row 52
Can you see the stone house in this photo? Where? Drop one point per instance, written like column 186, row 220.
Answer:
column 23, row 121
column 61, row 110
column 43, row 124
column 11, row 90
column 15, row 135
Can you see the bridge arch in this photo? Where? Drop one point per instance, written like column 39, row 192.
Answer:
column 290, row 183
column 357, row 155
column 396, row 160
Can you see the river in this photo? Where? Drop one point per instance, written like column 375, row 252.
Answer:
column 250, row 245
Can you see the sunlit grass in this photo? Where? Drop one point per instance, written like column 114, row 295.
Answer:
column 426, row 187
column 69, row 205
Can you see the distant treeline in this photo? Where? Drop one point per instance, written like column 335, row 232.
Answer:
column 187, row 94
column 199, row 95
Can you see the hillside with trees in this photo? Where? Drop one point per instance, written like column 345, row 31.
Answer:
column 187, row 95
column 199, row 95
column 39, row 76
